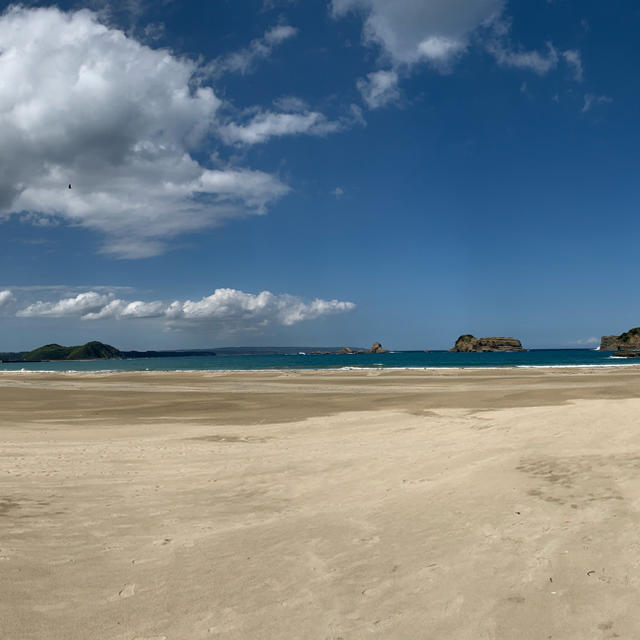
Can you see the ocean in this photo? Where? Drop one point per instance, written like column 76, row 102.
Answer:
column 395, row 360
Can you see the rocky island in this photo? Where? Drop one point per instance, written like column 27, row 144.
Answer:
column 470, row 344
column 376, row 347
column 625, row 342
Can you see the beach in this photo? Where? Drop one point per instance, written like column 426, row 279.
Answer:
column 444, row 504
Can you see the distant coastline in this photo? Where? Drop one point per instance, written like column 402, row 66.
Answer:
column 483, row 352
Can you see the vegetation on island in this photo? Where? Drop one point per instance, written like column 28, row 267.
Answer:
column 633, row 335
column 90, row 351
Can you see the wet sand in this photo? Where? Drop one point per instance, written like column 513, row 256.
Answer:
column 362, row 504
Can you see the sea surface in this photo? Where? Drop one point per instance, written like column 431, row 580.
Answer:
column 395, row 360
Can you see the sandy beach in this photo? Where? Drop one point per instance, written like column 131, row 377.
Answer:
column 329, row 505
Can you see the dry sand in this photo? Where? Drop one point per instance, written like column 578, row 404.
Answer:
column 320, row 505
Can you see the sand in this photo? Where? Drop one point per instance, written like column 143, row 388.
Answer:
column 320, row 505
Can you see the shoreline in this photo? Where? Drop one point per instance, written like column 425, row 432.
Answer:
column 301, row 370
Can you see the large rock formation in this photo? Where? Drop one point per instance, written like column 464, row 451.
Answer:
column 345, row 351
column 468, row 343
column 376, row 347
column 629, row 341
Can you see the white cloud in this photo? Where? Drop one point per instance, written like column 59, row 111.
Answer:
column 590, row 100
column 379, row 89
column 587, row 341
column 337, row 193
column 573, row 58
column 412, row 31
column 540, row 63
column 438, row 33
column 243, row 61
column 122, row 309
column 224, row 308
column 231, row 305
column 279, row 34
column 265, row 125
column 87, row 105
column 5, row 298
column 80, row 305
column 440, row 50
column 254, row 188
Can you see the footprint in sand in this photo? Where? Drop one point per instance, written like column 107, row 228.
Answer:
column 127, row 591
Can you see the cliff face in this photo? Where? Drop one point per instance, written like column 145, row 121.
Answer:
column 469, row 343
column 628, row 341
column 609, row 343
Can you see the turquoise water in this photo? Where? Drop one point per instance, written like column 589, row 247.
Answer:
column 400, row 359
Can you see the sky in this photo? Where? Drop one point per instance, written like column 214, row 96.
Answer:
column 318, row 173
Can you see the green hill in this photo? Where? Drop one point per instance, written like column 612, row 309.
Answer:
column 90, row 351
column 94, row 351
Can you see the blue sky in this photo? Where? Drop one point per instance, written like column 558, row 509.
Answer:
column 318, row 173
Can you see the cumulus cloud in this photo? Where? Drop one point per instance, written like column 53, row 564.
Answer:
column 223, row 308
column 231, row 305
column 412, row 31
column 122, row 309
column 80, row 305
column 243, row 61
column 379, row 89
column 6, row 297
column 86, row 105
